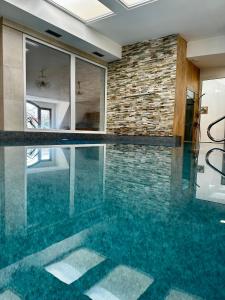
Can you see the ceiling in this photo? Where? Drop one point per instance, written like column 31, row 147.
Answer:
column 40, row 16
column 209, row 61
column 193, row 19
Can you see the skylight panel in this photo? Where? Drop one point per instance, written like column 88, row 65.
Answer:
column 86, row 10
column 133, row 3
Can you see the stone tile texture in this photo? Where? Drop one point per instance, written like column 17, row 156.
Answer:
column 146, row 67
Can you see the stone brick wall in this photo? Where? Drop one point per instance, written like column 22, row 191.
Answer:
column 138, row 178
column 146, row 67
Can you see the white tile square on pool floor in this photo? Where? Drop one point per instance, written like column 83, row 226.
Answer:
column 180, row 295
column 75, row 265
column 122, row 283
column 9, row 295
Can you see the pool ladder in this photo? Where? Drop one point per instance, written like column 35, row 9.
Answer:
column 209, row 163
column 214, row 149
column 210, row 127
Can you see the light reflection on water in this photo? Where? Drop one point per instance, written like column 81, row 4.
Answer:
column 110, row 222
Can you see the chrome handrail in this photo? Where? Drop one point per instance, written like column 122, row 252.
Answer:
column 209, row 163
column 209, row 128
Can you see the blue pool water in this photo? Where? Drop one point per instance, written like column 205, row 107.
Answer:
column 111, row 222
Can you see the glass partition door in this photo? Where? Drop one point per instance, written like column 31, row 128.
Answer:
column 50, row 88
column 47, row 87
column 90, row 96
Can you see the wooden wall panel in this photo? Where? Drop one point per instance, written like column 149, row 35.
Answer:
column 187, row 77
column 1, row 82
column 181, row 75
column 193, row 77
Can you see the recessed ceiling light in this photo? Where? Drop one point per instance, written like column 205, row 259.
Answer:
column 55, row 34
column 133, row 3
column 98, row 53
column 85, row 10
column 222, row 221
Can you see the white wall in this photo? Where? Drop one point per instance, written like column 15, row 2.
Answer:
column 13, row 81
column 207, row 53
column 209, row 185
column 203, row 47
column 214, row 99
column 212, row 73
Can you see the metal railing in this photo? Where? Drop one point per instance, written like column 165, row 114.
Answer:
column 209, row 163
column 209, row 129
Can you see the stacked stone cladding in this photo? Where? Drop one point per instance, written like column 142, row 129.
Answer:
column 142, row 88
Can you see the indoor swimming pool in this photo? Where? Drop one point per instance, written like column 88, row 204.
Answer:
column 111, row 222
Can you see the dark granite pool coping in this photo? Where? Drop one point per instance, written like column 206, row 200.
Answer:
column 12, row 138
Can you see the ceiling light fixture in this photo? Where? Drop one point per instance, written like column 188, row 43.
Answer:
column 42, row 81
column 79, row 93
column 84, row 10
column 135, row 3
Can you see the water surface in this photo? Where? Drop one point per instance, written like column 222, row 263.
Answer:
column 109, row 222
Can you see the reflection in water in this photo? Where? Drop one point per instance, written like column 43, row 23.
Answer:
column 211, row 183
column 179, row 295
column 36, row 156
column 110, row 222
column 121, row 283
column 52, row 198
column 208, row 154
column 75, row 265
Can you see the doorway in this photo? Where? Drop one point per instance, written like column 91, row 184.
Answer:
column 189, row 116
column 212, row 108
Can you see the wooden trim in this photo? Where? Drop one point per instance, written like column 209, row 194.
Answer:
column 181, row 79
column 47, row 39
column 193, row 77
column 193, row 84
column 1, row 81
column 187, row 77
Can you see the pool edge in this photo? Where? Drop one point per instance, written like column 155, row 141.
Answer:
column 13, row 138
